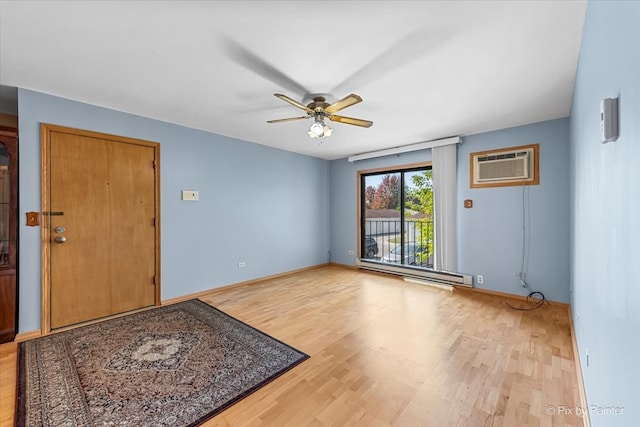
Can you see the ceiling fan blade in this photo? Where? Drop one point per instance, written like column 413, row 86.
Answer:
column 246, row 58
column 351, row 121
column 294, row 102
column 290, row 119
column 409, row 49
column 345, row 102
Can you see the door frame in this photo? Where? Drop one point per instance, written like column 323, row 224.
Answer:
column 45, row 155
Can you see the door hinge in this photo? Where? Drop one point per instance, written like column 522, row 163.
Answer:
column 153, row 280
column 155, row 164
column 153, row 222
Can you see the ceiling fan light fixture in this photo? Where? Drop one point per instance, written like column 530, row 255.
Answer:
column 316, row 130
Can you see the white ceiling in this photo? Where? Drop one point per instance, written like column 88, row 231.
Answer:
column 425, row 69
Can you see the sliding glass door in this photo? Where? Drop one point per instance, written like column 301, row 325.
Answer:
column 397, row 217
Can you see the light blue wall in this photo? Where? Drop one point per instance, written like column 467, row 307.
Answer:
column 605, row 212
column 267, row 207
column 489, row 234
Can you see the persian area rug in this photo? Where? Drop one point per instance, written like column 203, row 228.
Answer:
column 177, row 365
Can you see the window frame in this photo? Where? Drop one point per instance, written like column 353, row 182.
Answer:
column 360, row 199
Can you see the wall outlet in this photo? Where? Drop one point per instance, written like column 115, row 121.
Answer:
column 480, row 278
column 352, row 252
column 242, row 264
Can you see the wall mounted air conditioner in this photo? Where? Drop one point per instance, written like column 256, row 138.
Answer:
column 504, row 167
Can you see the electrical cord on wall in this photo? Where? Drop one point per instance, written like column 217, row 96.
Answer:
column 524, row 265
column 526, row 242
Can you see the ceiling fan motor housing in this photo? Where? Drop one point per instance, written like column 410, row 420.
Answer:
column 318, row 105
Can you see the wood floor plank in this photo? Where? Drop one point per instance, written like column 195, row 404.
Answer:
column 385, row 352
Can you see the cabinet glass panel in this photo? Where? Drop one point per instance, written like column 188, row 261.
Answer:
column 5, row 199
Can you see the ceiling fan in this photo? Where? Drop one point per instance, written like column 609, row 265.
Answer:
column 319, row 109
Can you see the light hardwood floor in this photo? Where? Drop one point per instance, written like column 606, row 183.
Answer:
column 385, row 352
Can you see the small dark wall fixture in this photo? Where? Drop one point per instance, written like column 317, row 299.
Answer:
column 33, row 219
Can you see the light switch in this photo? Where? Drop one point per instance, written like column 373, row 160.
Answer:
column 190, row 195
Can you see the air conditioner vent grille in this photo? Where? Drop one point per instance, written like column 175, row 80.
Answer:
column 504, row 156
column 498, row 168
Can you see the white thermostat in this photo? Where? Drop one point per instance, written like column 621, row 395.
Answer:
column 609, row 120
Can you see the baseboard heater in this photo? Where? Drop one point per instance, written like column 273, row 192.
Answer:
column 441, row 277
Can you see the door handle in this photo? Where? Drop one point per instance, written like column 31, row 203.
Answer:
column 61, row 239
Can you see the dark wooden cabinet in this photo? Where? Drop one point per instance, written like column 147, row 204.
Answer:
column 8, row 233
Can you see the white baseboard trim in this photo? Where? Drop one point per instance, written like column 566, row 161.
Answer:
column 444, row 277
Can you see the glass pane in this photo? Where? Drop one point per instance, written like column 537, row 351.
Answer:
column 418, row 214
column 382, row 218
column 5, row 200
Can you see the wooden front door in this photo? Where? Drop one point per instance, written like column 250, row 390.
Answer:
column 100, row 225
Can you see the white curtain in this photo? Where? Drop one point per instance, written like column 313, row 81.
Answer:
column 444, row 163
